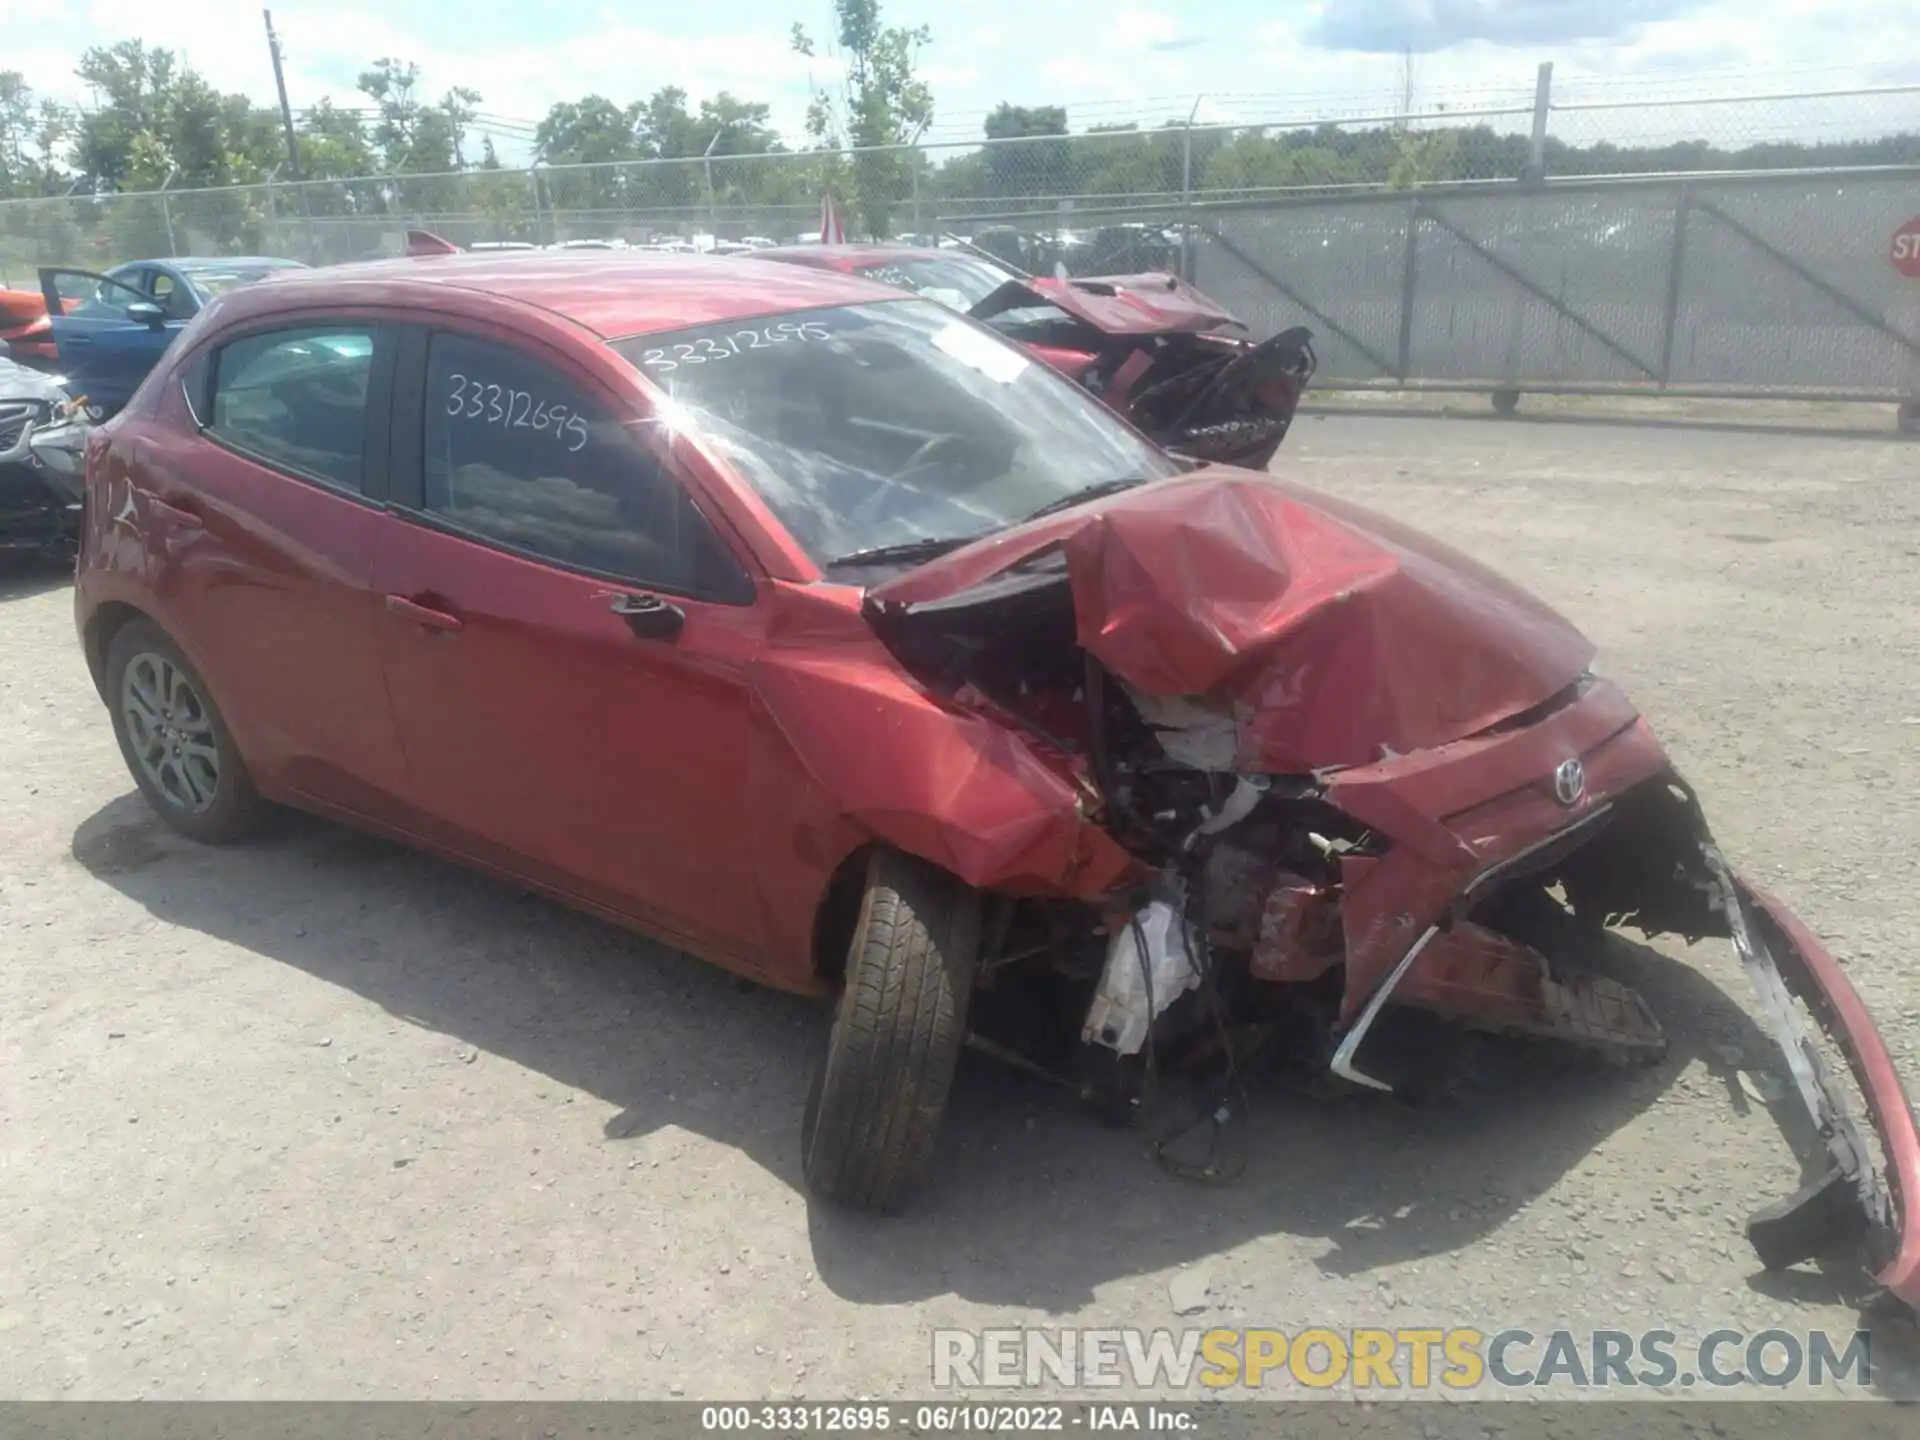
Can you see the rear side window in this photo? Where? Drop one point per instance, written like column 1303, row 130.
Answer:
column 297, row 399
column 516, row 453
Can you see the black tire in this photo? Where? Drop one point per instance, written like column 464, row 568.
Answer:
column 234, row 808
column 1506, row 403
column 874, row 1113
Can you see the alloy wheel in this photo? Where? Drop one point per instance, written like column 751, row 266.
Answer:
column 169, row 731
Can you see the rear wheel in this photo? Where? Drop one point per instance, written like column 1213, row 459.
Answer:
column 877, row 1101
column 174, row 740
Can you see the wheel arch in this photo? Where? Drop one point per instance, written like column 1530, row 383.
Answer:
column 106, row 623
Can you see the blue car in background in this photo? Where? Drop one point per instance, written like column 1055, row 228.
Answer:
column 109, row 330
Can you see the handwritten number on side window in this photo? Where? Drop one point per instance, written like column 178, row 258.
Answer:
column 512, row 409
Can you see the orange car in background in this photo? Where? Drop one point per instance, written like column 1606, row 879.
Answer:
column 27, row 329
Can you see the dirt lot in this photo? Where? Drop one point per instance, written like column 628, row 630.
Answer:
column 320, row 1117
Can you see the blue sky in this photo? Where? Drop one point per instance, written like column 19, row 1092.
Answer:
column 1242, row 59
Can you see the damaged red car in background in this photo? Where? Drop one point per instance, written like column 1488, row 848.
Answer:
column 1150, row 346
column 887, row 665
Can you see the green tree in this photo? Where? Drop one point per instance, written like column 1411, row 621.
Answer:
column 334, row 144
column 589, row 131
column 120, row 143
column 1036, row 168
column 390, row 84
column 743, row 127
column 879, row 101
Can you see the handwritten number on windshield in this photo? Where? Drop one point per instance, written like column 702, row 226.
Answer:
column 710, row 349
column 511, row 409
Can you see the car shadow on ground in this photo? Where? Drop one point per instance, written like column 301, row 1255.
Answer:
column 1032, row 1203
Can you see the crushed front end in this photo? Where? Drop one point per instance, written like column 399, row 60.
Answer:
column 1376, row 799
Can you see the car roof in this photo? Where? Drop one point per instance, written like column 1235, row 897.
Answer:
column 614, row 293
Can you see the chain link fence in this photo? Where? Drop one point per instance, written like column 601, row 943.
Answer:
column 1482, row 239
column 1058, row 193
column 1728, row 285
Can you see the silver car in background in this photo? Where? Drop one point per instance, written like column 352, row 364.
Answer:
column 42, row 438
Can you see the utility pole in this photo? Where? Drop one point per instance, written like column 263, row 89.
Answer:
column 293, row 140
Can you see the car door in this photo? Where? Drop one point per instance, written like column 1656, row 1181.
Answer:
column 105, row 345
column 264, row 509
column 566, row 641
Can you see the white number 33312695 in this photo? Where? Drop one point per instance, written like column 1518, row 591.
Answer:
column 487, row 403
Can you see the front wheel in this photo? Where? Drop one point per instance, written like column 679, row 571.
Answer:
column 877, row 1101
column 174, row 739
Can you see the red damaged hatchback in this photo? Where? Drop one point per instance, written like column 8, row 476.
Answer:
column 824, row 633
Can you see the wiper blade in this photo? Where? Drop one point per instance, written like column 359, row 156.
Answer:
column 1085, row 493
column 905, row 552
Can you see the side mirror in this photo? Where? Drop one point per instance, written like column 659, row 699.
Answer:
column 649, row 617
column 147, row 313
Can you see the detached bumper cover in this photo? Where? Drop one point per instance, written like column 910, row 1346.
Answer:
column 1784, row 959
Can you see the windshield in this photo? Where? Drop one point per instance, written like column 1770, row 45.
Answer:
column 867, row 426
column 958, row 281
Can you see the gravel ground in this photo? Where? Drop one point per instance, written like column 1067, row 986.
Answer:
column 318, row 1117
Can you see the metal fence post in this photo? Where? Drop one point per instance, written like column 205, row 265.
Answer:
column 1675, row 269
column 166, row 210
column 1542, row 106
column 1186, row 193
column 1532, row 177
column 1410, row 274
column 713, row 203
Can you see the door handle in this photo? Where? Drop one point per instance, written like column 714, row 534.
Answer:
column 181, row 513
column 76, row 340
column 649, row 617
column 425, row 616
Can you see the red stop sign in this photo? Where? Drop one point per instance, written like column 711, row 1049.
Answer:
column 1905, row 253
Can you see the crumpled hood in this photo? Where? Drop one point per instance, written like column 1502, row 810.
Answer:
column 1334, row 634
column 1150, row 304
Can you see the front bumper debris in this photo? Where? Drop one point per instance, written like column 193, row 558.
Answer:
column 1786, row 962
column 1853, row 1194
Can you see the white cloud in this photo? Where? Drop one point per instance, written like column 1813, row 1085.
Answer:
column 1141, row 30
column 1074, row 71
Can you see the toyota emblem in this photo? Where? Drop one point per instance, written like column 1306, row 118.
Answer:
column 1569, row 782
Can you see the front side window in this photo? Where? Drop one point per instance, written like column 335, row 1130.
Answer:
column 870, row 426
column 518, row 454
column 297, row 399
